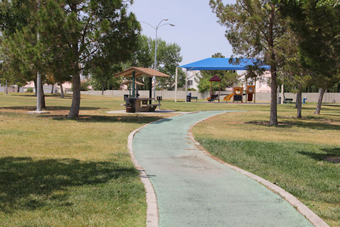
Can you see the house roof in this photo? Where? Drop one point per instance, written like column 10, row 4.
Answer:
column 140, row 72
column 221, row 64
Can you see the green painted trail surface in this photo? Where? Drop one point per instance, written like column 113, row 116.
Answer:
column 194, row 190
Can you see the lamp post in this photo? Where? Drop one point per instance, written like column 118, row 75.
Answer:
column 155, row 64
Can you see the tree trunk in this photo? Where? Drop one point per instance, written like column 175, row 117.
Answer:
column 18, row 89
column 318, row 107
column 61, row 90
column 298, row 104
column 273, row 101
column 102, row 89
column 52, row 90
column 74, row 111
column 42, row 104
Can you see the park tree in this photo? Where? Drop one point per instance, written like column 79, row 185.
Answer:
column 24, row 54
column 255, row 29
column 102, row 75
column 292, row 73
column 316, row 24
column 228, row 78
column 168, row 58
column 87, row 30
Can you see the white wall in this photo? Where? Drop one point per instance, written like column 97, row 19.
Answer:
column 260, row 97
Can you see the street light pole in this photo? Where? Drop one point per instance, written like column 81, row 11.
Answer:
column 155, row 63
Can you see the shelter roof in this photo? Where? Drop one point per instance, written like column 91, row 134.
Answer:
column 220, row 64
column 140, row 72
column 130, row 81
column 215, row 78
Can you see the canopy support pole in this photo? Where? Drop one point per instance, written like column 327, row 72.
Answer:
column 219, row 93
column 186, row 85
column 255, row 90
column 176, row 85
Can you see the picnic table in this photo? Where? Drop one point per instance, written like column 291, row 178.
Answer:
column 142, row 105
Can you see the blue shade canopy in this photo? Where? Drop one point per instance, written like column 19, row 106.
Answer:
column 220, row 64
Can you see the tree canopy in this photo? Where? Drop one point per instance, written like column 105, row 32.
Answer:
column 168, row 58
column 316, row 25
column 255, row 29
column 73, row 36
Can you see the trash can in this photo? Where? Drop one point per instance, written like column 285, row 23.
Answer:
column 304, row 100
column 131, row 105
column 189, row 97
column 126, row 97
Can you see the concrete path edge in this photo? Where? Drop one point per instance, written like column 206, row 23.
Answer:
column 152, row 218
column 299, row 206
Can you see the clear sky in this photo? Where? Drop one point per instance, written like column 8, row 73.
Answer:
column 196, row 29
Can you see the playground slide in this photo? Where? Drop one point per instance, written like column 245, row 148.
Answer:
column 228, row 97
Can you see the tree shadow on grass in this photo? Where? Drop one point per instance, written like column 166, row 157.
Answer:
column 316, row 125
column 29, row 184
column 301, row 124
column 50, row 108
column 328, row 152
column 139, row 119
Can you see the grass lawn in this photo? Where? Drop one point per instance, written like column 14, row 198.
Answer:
column 60, row 172
column 293, row 155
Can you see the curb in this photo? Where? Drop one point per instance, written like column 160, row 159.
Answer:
column 152, row 218
column 298, row 205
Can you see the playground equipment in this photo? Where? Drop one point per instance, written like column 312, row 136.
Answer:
column 250, row 92
column 214, row 96
column 228, row 97
column 238, row 94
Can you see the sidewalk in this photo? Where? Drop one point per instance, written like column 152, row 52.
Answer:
column 194, row 190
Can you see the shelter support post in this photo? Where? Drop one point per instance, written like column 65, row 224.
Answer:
column 133, row 84
column 150, row 89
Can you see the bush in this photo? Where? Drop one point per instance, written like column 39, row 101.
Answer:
column 84, row 86
column 30, row 90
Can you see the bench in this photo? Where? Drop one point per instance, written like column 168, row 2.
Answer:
column 194, row 97
column 150, row 107
column 288, row 101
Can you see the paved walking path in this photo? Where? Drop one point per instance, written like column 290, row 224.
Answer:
column 194, row 190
